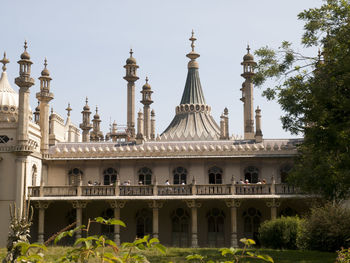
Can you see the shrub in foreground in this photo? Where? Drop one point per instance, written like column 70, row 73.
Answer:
column 327, row 228
column 280, row 233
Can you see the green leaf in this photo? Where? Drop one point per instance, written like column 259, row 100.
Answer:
column 114, row 221
column 160, row 248
column 266, row 258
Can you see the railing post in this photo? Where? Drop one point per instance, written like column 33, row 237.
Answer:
column 273, row 186
column 233, row 188
column 194, row 188
column 117, row 188
column 79, row 190
column 41, row 190
column 155, row 187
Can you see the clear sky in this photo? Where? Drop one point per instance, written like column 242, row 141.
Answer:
column 87, row 42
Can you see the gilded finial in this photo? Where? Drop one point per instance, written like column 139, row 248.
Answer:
column 131, row 52
column 25, row 45
column 146, row 80
column 45, row 62
column 86, row 100
column 248, row 48
column 4, row 61
column 68, row 109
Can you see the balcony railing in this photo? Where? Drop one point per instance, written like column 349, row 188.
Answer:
column 163, row 190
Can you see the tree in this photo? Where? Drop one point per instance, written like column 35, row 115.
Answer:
column 314, row 93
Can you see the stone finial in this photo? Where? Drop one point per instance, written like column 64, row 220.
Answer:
column 193, row 55
column 193, row 39
column 68, row 109
column 4, row 61
column 248, row 49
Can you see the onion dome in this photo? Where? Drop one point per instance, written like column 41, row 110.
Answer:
column 45, row 71
column 25, row 54
column 8, row 97
column 131, row 59
column 146, row 86
column 86, row 107
column 96, row 116
column 248, row 57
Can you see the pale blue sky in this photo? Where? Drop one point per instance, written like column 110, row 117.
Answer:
column 87, row 42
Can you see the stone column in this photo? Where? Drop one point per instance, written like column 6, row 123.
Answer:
column 117, row 205
column 273, row 204
column 79, row 205
column 41, row 205
column 155, row 205
column 21, row 174
column 233, row 205
column 194, row 223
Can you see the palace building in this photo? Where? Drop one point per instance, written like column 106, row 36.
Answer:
column 192, row 185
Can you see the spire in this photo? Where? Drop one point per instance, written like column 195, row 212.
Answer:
column 193, row 93
column 4, row 61
column 193, row 119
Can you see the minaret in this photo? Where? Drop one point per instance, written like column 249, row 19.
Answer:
column 24, row 82
column 247, row 94
column 153, row 125
column 224, row 130
column 86, row 125
column 146, row 101
column 139, row 135
column 96, row 134
column 131, row 77
column 258, row 132
column 44, row 96
column 68, row 109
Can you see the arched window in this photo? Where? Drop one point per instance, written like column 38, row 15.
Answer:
column 109, row 176
column 143, row 222
column 251, row 174
column 215, row 175
column 251, row 219
column 34, row 175
column 107, row 230
column 180, row 175
column 180, row 227
column 284, row 172
column 145, row 175
column 75, row 176
column 216, row 225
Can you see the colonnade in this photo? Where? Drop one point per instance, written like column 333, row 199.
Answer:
column 155, row 205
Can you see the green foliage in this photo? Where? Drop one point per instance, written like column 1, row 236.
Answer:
column 20, row 222
column 280, row 233
column 343, row 256
column 327, row 228
column 314, row 93
column 233, row 255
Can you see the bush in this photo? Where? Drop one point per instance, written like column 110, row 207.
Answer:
column 343, row 256
column 280, row 233
column 327, row 228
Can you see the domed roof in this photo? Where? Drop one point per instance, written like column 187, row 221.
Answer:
column 25, row 55
column 45, row 72
column 131, row 60
column 8, row 97
column 248, row 57
column 146, row 85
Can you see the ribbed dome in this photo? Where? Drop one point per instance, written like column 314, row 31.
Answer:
column 8, row 97
column 248, row 57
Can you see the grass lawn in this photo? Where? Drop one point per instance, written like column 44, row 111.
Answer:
column 179, row 255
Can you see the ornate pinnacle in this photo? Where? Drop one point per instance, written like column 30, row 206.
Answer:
column 192, row 39
column 146, row 79
column 45, row 62
column 4, row 61
column 248, row 49
column 131, row 52
column 68, row 109
column 25, row 45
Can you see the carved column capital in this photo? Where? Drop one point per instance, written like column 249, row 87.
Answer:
column 41, row 204
column 155, row 204
column 79, row 204
column 117, row 204
column 233, row 203
column 193, row 204
column 273, row 203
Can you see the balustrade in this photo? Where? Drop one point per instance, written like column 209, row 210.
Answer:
column 163, row 190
